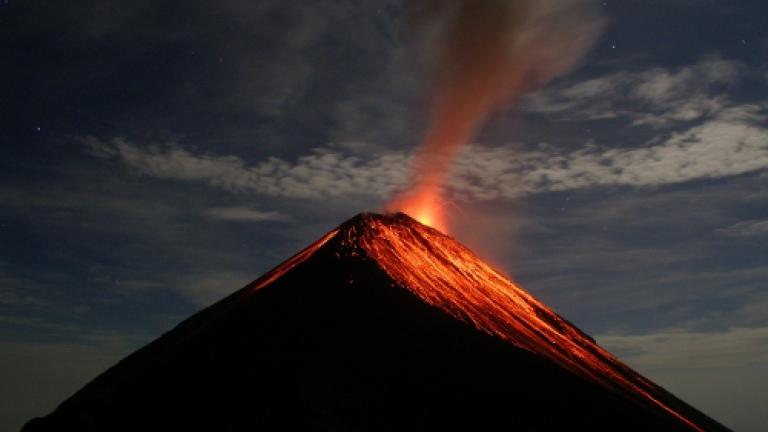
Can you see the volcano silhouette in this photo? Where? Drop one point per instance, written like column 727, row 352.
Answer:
column 383, row 324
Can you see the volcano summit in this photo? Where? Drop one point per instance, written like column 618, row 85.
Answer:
column 382, row 324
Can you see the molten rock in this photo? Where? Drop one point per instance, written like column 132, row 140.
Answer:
column 382, row 324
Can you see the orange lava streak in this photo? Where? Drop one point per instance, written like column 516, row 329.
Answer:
column 447, row 275
column 291, row 262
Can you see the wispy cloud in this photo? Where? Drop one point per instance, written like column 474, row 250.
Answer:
column 322, row 174
column 245, row 214
column 655, row 97
column 686, row 349
column 198, row 288
column 30, row 292
column 18, row 292
column 747, row 228
column 204, row 289
column 733, row 142
column 723, row 373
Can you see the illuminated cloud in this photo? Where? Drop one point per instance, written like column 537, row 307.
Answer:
column 324, row 173
column 732, row 143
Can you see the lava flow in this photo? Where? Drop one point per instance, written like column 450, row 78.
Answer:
column 447, row 275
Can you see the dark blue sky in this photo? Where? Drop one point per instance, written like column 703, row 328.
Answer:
column 158, row 155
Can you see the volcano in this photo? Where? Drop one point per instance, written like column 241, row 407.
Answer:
column 382, row 324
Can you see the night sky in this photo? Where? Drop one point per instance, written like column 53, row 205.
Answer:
column 158, row 155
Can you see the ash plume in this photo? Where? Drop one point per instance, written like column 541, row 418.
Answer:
column 488, row 53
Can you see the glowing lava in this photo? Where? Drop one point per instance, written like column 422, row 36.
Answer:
column 423, row 205
column 447, row 275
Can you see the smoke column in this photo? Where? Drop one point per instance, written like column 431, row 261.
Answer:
column 489, row 53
